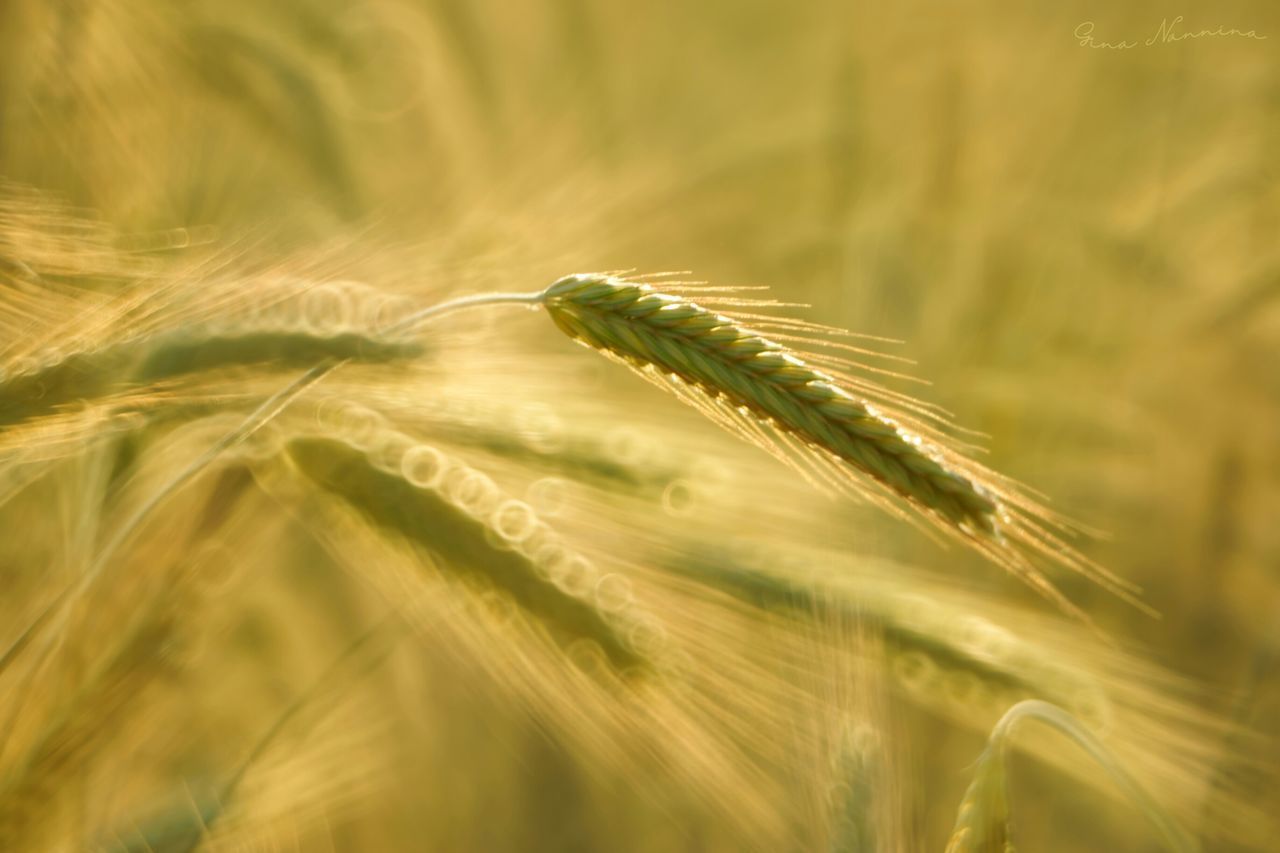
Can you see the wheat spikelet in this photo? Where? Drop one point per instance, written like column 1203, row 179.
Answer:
column 838, row 429
column 456, row 513
column 982, row 821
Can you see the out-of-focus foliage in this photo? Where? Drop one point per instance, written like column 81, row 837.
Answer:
column 1077, row 246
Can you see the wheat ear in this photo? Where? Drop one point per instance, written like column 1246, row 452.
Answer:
column 43, row 389
column 922, row 654
column 822, row 422
column 458, row 515
column 726, row 359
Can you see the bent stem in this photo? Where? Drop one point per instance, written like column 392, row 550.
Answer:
column 462, row 302
column 989, row 783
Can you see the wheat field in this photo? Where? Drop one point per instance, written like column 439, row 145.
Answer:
column 583, row 426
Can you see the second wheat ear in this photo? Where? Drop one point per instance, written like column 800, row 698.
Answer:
column 816, row 413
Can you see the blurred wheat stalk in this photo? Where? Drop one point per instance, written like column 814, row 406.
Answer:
column 458, row 584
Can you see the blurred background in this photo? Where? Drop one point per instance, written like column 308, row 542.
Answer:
column 1077, row 247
